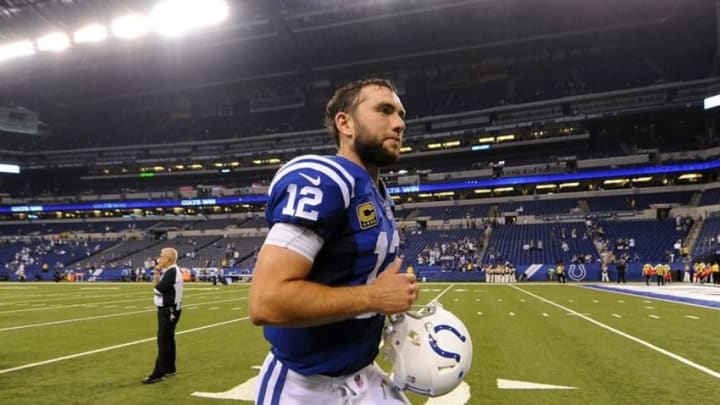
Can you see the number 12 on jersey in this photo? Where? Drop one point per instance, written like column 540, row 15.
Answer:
column 309, row 197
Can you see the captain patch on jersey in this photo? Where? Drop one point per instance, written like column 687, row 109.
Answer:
column 367, row 216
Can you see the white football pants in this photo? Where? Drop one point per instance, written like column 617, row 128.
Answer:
column 281, row 386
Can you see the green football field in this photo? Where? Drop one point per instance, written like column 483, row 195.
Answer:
column 87, row 343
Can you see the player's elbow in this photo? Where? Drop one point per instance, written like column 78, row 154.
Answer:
column 261, row 311
column 260, row 317
column 257, row 316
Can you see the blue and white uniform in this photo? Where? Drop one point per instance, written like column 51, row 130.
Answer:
column 329, row 209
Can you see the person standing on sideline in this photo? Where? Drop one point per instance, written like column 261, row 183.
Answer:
column 560, row 270
column 620, row 266
column 686, row 269
column 214, row 276
column 327, row 273
column 168, row 289
column 660, row 274
column 604, row 271
column 648, row 271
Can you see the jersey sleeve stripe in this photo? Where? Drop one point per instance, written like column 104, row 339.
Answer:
column 350, row 179
column 337, row 166
column 290, row 167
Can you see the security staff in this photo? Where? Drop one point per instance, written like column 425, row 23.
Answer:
column 168, row 289
column 560, row 269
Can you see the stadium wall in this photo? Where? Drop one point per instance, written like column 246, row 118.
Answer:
column 539, row 272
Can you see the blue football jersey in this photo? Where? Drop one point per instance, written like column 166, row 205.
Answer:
column 337, row 199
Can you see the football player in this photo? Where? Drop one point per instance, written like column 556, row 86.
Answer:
column 327, row 272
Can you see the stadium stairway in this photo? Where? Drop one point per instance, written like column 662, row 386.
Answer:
column 694, row 233
column 695, row 200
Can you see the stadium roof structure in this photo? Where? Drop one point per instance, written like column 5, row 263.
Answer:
column 265, row 43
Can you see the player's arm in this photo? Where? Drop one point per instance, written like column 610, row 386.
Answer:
column 307, row 197
column 166, row 283
column 281, row 294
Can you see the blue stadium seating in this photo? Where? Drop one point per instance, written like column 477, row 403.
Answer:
column 508, row 241
column 653, row 238
column 707, row 242
column 710, row 197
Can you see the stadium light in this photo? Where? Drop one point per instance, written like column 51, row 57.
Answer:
column 9, row 168
column 54, row 42
column 130, row 26
column 90, row 34
column 175, row 17
column 570, row 184
column 712, row 102
column 503, row 189
column 16, row 49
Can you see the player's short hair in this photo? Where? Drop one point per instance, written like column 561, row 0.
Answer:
column 346, row 100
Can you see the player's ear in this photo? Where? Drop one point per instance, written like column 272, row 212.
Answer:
column 344, row 123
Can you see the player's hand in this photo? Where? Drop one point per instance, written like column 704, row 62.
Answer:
column 392, row 291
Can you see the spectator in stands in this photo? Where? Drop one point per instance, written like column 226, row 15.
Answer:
column 168, row 289
column 322, row 305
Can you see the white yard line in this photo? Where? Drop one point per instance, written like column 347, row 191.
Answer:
column 120, row 346
column 60, row 306
column 647, row 344
column 89, row 318
column 137, row 342
column 443, row 292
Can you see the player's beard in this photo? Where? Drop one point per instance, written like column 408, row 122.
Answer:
column 370, row 149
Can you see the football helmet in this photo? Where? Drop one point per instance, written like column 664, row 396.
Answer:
column 430, row 349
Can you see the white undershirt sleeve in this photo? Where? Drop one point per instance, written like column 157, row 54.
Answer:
column 296, row 238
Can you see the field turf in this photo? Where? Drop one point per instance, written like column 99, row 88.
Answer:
column 87, row 343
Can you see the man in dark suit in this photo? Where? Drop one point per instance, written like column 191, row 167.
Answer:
column 168, row 289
